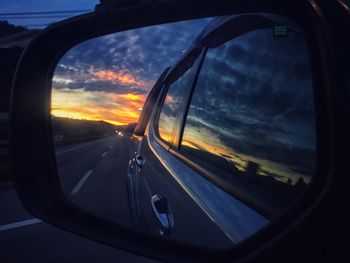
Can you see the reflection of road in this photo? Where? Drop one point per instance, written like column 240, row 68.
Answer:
column 27, row 239
column 93, row 175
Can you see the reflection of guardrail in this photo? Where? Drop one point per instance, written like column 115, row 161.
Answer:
column 68, row 141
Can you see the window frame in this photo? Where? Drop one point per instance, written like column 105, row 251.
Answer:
column 171, row 78
column 150, row 104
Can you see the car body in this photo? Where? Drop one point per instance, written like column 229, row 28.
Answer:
column 168, row 188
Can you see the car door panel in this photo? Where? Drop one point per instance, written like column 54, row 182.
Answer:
column 191, row 223
column 203, row 212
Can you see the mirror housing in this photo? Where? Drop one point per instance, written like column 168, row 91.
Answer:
column 32, row 150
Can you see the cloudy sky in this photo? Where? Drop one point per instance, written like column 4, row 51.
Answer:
column 9, row 9
column 264, row 101
column 263, row 111
column 108, row 78
column 253, row 103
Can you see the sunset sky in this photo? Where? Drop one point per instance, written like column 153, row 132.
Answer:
column 37, row 21
column 108, row 78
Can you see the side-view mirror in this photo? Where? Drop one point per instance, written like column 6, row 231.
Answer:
column 179, row 130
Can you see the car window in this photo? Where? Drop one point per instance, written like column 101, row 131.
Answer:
column 251, row 117
column 172, row 105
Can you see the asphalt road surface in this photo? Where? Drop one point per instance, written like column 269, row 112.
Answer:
column 93, row 176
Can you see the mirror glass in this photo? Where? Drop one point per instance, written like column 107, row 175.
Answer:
column 230, row 143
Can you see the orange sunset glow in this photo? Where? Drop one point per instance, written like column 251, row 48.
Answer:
column 124, row 78
column 109, row 106
column 118, row 109
column 207, row 141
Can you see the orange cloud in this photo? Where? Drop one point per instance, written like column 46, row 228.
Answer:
column 123, row 78
column 117, row 109
column 136, row 100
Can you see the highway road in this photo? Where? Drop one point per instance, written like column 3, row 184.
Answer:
column 92, row 175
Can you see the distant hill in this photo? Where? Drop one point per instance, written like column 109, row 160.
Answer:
column 66, row 131
column 8, row 29
column 127, row 127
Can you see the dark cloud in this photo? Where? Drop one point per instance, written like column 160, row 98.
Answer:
column 264, row 106
column 143, row 53
column 102, row 86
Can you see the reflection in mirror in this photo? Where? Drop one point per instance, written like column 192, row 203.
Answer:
column 240, row 111
column 265, row 143
column 171, row 106
column 98, row 91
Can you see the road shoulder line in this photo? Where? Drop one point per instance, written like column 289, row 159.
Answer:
column 80, row 183
column 20, row 224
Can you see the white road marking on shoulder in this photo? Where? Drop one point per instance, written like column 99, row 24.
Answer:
column 104, row 154
column 20, row 224
column 80, row 183
column 78, row 147
column 74, row 148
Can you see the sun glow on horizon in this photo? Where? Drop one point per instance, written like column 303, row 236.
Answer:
column 205, row 140
column 81, row 116
column 117, row 109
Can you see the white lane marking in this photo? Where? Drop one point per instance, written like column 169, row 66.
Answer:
column 78, row 147
column 20, row 224
column 104, row 154
column 74, row 148
column 80, row 183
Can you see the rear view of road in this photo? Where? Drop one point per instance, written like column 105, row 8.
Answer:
column 27, row 239
column 93, row 176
